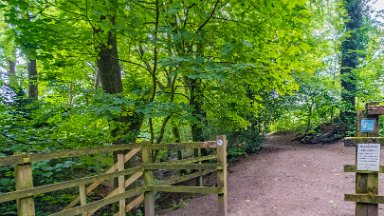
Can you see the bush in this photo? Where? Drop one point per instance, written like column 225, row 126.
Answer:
column 244, row 142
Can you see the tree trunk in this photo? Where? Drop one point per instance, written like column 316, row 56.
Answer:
column 70, row 95
column 309, row 120
column 353, row 43
column 196, row 102
column 97, row 80
column 110, row 78
column 12, row 68
column 109, row 74
column 108, row 65
column 12, row 75
column 32, row 80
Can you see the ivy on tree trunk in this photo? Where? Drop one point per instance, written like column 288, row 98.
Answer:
column 109, row 73
column 353, row 44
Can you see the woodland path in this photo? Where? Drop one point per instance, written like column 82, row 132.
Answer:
column 286, row 179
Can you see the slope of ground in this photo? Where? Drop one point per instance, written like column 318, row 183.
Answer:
column 286, row 179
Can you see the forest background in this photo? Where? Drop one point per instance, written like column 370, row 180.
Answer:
column 85, row 73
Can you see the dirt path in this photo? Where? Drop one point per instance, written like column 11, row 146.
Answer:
column 286, row 179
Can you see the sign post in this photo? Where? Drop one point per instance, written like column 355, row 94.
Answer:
column 367, row 166
column 368, row 157
column 367, row 125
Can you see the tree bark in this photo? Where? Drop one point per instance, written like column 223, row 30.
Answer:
column 108, row 66
column 33, row 92
column 70, row 95
column 12, row 75
column 196, row 102
column 109, row 73
column 353, row 43
column 12, row 68
column 97, row 84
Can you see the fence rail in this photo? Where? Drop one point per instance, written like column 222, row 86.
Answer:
column 25, row 191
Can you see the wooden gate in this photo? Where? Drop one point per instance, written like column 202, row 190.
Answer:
column 141, row 192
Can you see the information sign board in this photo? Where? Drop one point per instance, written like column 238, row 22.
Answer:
column 367, row 125
column 368, row 157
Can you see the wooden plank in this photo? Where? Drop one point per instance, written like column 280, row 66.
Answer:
column 185, row 189
column 372, row 209
column 24, row 180
column 4, row 161
column 190, row 145
column 121, row 183
column 353, row 168
column 361, row 187
column 375, row 110
column 193, row 160
column 364, row 198
column 373, row 178
column 133, row 178
column 16, row 159
column 222, row 175
column 199, row 179
column 373, row 188
column 83, row 197
column 149, row 196
column 373, row 183
column 94, row 185
column 128, row 182
column 361, row 209
column 153, row 166
column 63, row 185
column 366, row 209
column 134, row 203
column 100, row 203
column 178, row 179
column 353, row 141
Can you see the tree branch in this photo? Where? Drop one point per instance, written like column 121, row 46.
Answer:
column 209, row 18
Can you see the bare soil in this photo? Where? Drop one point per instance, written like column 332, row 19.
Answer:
column 286, row 179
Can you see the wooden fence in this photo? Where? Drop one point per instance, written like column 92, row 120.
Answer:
column 25, row 191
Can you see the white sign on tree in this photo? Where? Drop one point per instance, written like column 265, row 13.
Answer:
column 368, row 157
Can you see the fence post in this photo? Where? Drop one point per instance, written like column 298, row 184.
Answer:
column 149, row 196
column 121, row 185
column 199, row 180
column 83, row 197
column 222, row 175
column 24, row 180
column 367, row 182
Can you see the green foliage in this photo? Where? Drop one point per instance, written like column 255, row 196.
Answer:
column 243, row 142
column 241, row 68
column 315, row 103
column 177, row 205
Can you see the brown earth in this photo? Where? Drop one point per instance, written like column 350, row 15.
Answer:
column 286, row 179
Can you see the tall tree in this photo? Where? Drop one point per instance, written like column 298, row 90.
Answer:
column 352, row 48
column 107, row 55
column 109, row 70
column 33, row 92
